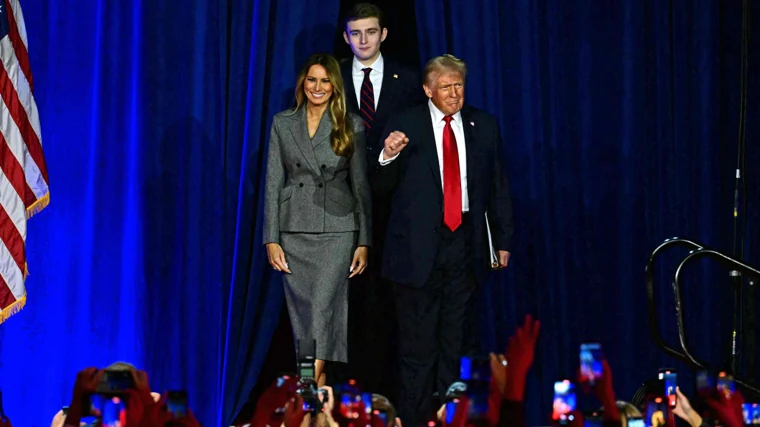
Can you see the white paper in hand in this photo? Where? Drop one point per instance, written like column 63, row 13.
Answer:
column 494, row 257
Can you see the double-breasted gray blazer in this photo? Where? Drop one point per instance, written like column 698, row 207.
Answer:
column 309, row 188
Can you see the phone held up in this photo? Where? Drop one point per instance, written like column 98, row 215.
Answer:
column 668, row 377
column 591, row 363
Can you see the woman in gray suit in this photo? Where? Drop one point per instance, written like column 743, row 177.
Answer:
column 317, row 218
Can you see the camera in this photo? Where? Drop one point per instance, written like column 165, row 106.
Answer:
column 108, row 405
column 307, row 385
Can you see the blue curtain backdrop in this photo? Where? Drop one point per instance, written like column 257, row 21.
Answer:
column 619, row 120
column 154, row 118
column 620, row 125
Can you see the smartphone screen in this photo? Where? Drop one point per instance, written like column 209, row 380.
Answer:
column 591, row 362
column 705, row 383
column 367, row 400
column 176, row 403
column 114, row 382
column 593, row 419
column 725, row 384
column 350, row 397
column 751, row 413
column 564, row 400
column 106, row 410
column 635, row 422
column 656, row 412
column 476, row 374
column 668, row 377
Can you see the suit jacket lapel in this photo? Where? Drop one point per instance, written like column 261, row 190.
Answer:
column 348, row 83
column 429, row 149
column 468, row 125
column 300, row 131
column 388, row 89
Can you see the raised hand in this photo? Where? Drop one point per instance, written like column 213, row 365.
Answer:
column 728, row 409
column 277, row 257
column 394, row 143
column 520, row 353
column 684, row 410
column 86, row 383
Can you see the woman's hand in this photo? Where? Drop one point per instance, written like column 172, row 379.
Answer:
column 277, row 257
column 361, row 255
column 684, row 410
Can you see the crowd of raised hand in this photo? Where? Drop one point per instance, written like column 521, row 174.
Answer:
column 290, row 402
column 493, row 399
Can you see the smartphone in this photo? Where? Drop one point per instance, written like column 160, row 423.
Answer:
column 350, row 397
column 281, row 383
column 106, row 410
column 366, row 399
column 668, row 377
column 176, row 403
column 656, row 413
column 382, row 415
column 475, row 372
column 593, row 419
column 110, row 397
column 705, row 383
column 564, row 401
column 725, row 384
column 591, row 362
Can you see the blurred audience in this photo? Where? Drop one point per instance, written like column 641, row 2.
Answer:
column 490, row 393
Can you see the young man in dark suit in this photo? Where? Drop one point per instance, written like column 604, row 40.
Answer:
column 442, row 164
column 376, row 88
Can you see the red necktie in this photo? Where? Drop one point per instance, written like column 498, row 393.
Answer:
column 367, row 98
column 452, row 183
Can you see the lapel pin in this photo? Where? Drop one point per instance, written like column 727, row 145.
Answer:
column 472, row 123
column 395, row 76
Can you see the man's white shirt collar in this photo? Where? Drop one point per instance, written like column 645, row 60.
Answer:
column 377, row 66
column 438, row 115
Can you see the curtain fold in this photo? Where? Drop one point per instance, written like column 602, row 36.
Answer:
column 154, row 116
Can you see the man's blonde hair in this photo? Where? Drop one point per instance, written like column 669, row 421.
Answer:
column 444, row 64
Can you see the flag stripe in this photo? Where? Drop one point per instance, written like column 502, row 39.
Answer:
column 6, row 296
column 10, row 97
column 11, row 168
column 18, row 45
column 13, row 205
column 24, row 188
column 10, row 235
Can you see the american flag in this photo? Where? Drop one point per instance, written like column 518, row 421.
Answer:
column 23, row 173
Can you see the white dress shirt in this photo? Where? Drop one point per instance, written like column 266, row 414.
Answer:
column 457, row 126
column 375, row 76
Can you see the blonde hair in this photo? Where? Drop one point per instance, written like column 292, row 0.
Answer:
column 443, row 64
column 342, row 135
column 627, row 410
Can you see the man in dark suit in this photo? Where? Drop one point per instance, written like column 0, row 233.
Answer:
column 376, row 88
column 442, row 164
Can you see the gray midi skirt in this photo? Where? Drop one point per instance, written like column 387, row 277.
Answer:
column 316, row 290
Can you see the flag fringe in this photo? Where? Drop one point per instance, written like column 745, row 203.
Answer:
column 38, row 206
column 12, row 309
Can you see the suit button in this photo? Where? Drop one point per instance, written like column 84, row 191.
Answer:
column 320, row 186
column 300, row 185
column 298, row 165
column 324, row 167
